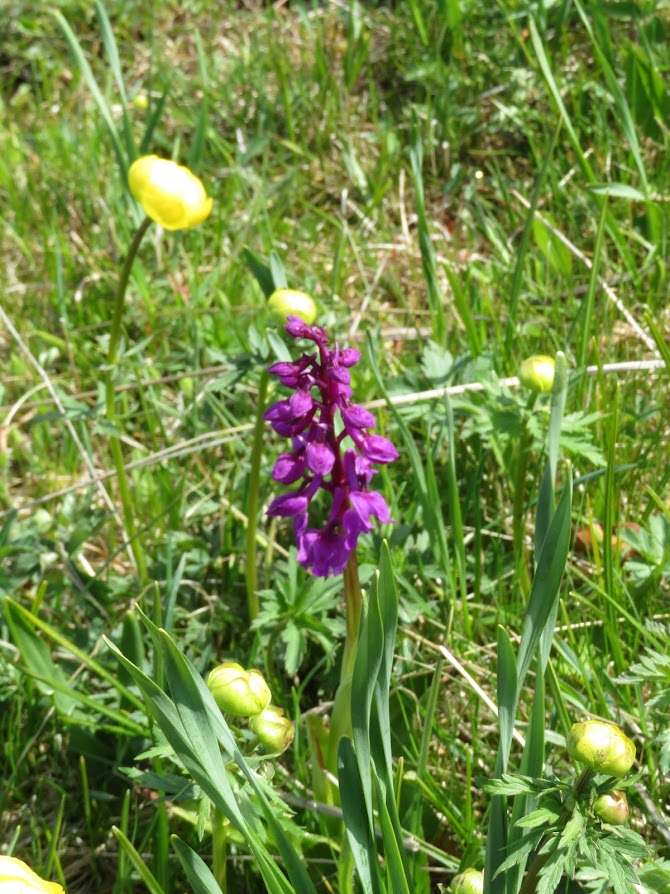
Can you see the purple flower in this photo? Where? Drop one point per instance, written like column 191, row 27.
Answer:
column 319, row 456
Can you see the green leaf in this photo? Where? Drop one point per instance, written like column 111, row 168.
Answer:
column 546, row 583
column 197, row 871
column 357, row 817
column 138, row 861
column 618, row 191
column 260, row 270
column 92, row 84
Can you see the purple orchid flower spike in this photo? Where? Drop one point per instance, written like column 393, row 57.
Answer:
column 319, row 460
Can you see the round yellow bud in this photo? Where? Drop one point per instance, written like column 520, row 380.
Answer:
column 537, row 373
column 612, row 807
column 286, row 303
column 169, row 193
column 470, row 881
column 275, row 732
column 601, row 746
column 140, row 101
column 16, row 877
column 237, row 691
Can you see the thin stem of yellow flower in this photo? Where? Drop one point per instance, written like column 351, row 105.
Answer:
column 112, row 362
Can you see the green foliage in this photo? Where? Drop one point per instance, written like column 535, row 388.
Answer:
column 297, row 611
column 459, row 186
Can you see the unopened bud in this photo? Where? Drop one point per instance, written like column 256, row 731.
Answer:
column 601, row 746
column 612, row 807
column 237, row 691
column 286, row 303
column 470, row 881
column 537, row 373
column 275, row 732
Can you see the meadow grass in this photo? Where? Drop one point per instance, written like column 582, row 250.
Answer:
column 459, row 186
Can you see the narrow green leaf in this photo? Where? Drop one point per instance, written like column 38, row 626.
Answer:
column 138, row 862
column 115, row 65
column 197, row 871
column 506, row 694
column 356, row 818
column 260, row 270
column 618, row 191
column 546, row 583
column 396, row 869
column 92, row 84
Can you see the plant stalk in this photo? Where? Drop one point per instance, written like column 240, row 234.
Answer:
column 529, row 885
column 219, row 863
column 250, row 571
column 112, row 363
column 340, row 724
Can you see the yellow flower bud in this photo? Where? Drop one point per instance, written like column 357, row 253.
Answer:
column 470, row 881
column 16, row 877
column 537, row 373
column 291, row 303
column 140, row 101
column 612, row 807
column 237, row 691
column 169, row 193
column 275, row 732
column 601, row 746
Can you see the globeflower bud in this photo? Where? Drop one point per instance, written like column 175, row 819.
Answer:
column 237, row 691
column 275, row 732
column 612, row 807
column 16, row 877
column 170, row 194
column 470, row 881
column 285, row 303
column 601, row 746
column 537, row 373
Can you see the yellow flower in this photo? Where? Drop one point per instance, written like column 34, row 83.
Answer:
column 239, row 692
column 16, row 877
column 286, row 303
column 169, row 193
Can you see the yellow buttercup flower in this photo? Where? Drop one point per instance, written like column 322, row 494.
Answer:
column 170, row 194
column 16, row 877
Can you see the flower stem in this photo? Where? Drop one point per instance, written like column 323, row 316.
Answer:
column 340, row 724
column 252, row 498
column 529, row 885
column 219, row 849
column 115, row 442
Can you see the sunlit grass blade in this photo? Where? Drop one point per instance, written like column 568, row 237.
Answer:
column 428, row 260
column 138, row 862
column 426, row 484
column 546, row 582
column 92, row 84
column 112, row 52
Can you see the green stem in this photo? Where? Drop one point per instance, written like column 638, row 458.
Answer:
column 112, row 362
column 529, row 885
column 340, row 724
column 219, row 849
column 352, row 617
column 252, row 498
column 519, row 506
